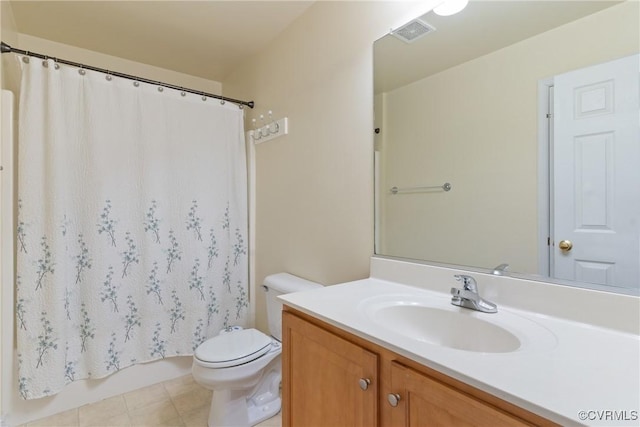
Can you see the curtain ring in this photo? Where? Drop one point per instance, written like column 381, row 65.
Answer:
column 204, row 98
column 108, row 76
column 182, row 92
column 81, row 71
column 25, row 58
column 55, row 64
column 222, row 101
column 45, row 62
column 136, row 83
column 160, row 88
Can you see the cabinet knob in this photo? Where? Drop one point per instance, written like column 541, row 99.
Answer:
column 364, row 383
column 394, row 399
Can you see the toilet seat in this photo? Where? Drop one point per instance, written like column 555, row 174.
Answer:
column 232, row 348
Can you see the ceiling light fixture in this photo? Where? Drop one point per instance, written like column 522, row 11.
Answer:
column 450, row 7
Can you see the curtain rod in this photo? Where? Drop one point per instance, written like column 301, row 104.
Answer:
column 5, row 48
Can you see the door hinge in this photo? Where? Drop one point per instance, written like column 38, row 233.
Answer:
column 549, row 115
column 548, row 241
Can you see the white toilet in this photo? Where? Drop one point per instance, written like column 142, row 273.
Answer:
column 242, row 366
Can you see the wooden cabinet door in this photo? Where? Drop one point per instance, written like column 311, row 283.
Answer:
column 426, row 402
column 321, row 378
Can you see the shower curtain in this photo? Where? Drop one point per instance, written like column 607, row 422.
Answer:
column 132, row 224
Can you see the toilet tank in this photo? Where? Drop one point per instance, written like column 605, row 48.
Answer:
column 279, row 284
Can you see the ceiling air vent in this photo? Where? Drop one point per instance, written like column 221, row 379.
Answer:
column 413, row 30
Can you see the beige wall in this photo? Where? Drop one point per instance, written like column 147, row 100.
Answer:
column 96, row 59
column 314, row 194
column 475, row 125
column 9, row 34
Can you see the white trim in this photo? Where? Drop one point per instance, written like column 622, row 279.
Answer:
column 251, row 181
column 544, row 171
column 6, row 252
column 376, row 201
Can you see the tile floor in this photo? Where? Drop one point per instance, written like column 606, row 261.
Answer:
column 179, row 402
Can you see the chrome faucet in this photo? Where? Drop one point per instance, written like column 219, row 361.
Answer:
column 468, row 296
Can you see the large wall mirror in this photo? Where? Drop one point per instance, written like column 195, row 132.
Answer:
column 509, row 134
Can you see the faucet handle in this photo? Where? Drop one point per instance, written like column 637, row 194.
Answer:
column 501, row 269
column 468, row 282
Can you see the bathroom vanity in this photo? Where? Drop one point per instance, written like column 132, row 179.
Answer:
column 391, row 350
column 364, row 384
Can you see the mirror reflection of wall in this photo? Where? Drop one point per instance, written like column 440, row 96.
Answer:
column 465, row 104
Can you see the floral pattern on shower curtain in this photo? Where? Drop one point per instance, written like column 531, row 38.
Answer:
column 132, row 224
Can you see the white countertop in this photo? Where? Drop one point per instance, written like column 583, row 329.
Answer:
column 573, row 379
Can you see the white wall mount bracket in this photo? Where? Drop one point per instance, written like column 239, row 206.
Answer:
column 270, row 131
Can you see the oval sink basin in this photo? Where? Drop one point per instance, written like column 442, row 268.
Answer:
column 448, row 328
column 435, row 321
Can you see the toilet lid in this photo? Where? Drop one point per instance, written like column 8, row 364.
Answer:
column 233, row 348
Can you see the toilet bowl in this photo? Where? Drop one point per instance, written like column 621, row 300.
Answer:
column 243, row 366
column 243, row 369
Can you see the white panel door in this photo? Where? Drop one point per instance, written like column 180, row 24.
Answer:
column 596, row 174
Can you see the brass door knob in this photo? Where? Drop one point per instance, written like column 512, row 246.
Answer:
column 565, row 245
